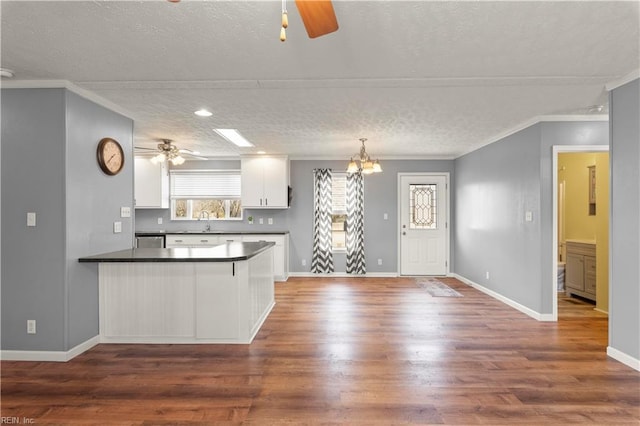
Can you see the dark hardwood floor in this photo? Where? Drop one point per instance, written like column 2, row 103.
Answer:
column 350, row 351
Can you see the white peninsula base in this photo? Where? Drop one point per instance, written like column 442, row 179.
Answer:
column 185, row 302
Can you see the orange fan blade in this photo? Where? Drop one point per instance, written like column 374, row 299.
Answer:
column 318, row 17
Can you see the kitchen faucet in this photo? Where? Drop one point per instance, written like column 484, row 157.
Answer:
column 203, row 213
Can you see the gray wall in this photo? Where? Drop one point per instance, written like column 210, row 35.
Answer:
column 495, row 186
column 559, row 133
column 380, row 197
column 33, row 259
column 93, row 202
column 49, row 139
column 624, row 279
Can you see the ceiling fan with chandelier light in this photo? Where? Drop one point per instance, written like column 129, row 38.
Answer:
column 167, row 151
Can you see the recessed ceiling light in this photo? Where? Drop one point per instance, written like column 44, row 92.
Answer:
column 6, row 73
column 233, row 136
column 203, row 113
column 261, row 152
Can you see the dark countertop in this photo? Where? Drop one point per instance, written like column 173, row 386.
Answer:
column 228, row 252
column 152, row 233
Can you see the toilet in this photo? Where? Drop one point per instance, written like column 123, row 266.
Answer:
column 561, row 267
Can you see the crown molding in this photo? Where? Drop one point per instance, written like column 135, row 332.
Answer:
column 65, row 84
column 381, row 158
column 633, row 75
column 539, row 119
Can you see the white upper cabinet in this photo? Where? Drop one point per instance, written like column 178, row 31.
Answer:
column 151, row 184
column 265, row 182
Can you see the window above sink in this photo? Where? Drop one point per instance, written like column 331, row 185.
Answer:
column 208, row 194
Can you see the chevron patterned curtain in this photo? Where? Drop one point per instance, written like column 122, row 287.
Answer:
column 355, row 224
column 322, row 257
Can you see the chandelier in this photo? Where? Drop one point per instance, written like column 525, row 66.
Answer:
column 366, row 166
column 168, row 152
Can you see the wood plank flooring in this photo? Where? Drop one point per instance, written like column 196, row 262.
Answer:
column 349, row 351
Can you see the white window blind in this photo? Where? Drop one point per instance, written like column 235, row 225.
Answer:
column 205, row 184
column 339, row 192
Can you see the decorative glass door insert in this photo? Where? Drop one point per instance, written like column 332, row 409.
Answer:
column 423, row 206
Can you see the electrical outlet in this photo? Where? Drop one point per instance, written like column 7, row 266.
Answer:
column 379, row 261
column 486, row 275
column 31, row 219
column 159, row 221
column 304, row 262
column 528, row 217
column 117, row 227
column 270, row 221
column 31, row 326
column 261, row 221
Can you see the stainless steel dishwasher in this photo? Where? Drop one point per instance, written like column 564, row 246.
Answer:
column 150, row 241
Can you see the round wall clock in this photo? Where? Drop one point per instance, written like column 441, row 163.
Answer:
column 110, row 156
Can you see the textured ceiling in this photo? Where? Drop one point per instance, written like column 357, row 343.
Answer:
column 418, row 79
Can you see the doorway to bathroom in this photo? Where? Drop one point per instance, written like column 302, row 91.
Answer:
column 581, row 227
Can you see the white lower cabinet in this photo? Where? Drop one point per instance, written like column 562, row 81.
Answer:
column 230, row 238
column 146, row 300
column 216, row 320
column 198, row 240
column 185, row 302
column 580, row 273
column 280, row 251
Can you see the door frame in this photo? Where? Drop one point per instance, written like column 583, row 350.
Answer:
column 559, row 149
column 447, row 246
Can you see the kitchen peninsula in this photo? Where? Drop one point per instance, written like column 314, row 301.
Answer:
column 196, row 239
column 221, row 294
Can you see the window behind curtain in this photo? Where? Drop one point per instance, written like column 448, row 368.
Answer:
column 339, row 211
column 216, row 192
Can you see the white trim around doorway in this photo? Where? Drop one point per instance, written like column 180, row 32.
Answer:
column 558, row 149
column 448, row 207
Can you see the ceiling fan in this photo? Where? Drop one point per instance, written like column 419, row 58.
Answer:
column 318, row 17
column 167, row 151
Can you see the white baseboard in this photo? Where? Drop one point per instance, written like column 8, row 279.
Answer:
column 344, row 275
column 624, row 358
column 530, row 312
column 55, row 356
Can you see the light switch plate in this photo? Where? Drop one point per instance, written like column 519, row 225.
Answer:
column 125, row 211
column 270, row 221
column 159, row 221
column 31, row 219
column 261, row 221
column 528, row 216
column 385, row 216
column 117, row 227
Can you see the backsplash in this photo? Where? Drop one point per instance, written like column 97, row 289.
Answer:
column 147, row 220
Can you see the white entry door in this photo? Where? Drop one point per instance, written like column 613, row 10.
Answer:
column 424, row 231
